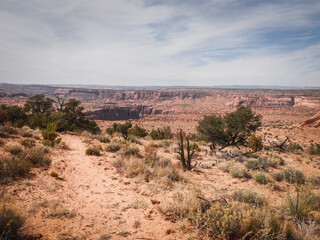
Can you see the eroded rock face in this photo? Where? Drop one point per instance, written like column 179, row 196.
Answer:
column 314, row 121
column 265, row 102
column 122, row 113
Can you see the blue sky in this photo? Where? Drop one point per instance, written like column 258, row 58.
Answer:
column 153, row 42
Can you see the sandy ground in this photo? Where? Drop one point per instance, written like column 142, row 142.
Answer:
column 103, row 202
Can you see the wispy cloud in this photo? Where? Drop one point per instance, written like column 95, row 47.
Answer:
column 137, row 42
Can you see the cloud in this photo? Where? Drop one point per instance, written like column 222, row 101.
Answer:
column 138, row 42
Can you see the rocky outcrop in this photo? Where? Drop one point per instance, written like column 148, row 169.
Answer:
column 314, row 121
column 122, row 113
column 265, row 102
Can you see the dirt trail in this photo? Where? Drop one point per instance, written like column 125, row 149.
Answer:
column 104, row 202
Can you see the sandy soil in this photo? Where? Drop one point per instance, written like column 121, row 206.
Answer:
column 103, row 202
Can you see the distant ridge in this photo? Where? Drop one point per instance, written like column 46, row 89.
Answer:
column 155, row 87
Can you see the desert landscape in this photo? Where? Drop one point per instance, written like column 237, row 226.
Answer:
column 110, row 183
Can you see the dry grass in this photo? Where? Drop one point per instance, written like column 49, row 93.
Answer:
column 13, row 148
column 11, row 220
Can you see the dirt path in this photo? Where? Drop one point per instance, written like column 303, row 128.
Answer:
column 104, row 202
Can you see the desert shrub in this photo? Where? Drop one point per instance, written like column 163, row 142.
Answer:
column 293, row 147
column 26, row 132
column 93, row 151
column 294, row 176
column 15, row 166
column 11, row 220
column 38, row 156
column 104, row 139
column 300, row 206
column 138, row 131
column 239, row 171
column 161, row 133
column 255, row 143
column 49, row 134
column 261, row 178
column 150, row 154
column 119, row 164
column 248, row 196
column 131, row 150
column 315, row 180
column 113, row 147
column 226, row 166
column 262, row 163
column 13, row 148
column 314, row 149
column 28, row 143
column 187, row 205
column 278, row 176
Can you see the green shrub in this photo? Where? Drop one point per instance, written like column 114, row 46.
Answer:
column 161, row 133
column 13, row 148
column 248, row 196
column 294, row 176
column 300, row 206
column 113, row 147
column 38, row 156
column 11, row 221
column 49, row 134
column 138, row 131
column 28, row 143
column 93, row 151
column 261, row 178
column 121, row 128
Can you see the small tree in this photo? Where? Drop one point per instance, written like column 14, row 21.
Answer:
column 231, row 130
column 49, row 134
column 124, row 129
column 212, row 129
column 39, row 104
column 185, row 160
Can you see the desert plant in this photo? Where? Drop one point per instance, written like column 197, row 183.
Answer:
column 255, row 143
column 299, row 206
column 28, row 143
column 131, row 150
column 49, row 134
column 11, row 220
column 113, row 147
column 261, row 178
column 190, row 150
column 38, row 156
column 161, row 133
column 104, row 139
column 239, row 171
column 93, row 151
column 314, row 149
column 294, row 176
column 231, row 130
column 293, row 147
column 13, row 148
column 138, row 131
column 26, row 132
column 248, row 196
column 278, row 176
column 15, row 166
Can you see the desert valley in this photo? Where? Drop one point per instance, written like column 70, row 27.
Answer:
column 124, row 177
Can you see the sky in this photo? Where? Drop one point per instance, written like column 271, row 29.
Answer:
column 160, row 42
